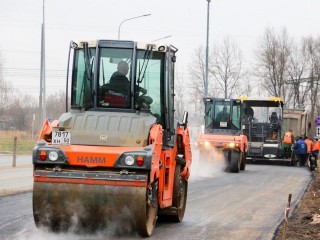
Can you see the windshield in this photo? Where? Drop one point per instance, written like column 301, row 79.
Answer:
column 263, row 112
column 114, row 82
column 150, row 84
column 263, row 120
column 266, row 114
column 222, row 114
column 122, row 82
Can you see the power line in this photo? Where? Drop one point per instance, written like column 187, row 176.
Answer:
column 301, row 80
column 33, row 69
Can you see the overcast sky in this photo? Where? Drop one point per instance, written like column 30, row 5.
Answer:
column 243, row 21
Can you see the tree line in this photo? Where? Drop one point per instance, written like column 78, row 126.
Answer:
column 282, row 67
column 20, row 112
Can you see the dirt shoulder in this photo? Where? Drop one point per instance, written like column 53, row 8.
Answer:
column 305, row 221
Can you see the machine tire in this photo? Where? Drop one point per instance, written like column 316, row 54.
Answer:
column 312, row 163
column 235, row 161
column 175, row 213
column 180, row 189
column 312, row 168
column 243, row 161
column 146, row 226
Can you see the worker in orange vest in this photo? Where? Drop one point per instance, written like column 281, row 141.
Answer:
column 309, row 147
column 315, row 150
column 288, row 140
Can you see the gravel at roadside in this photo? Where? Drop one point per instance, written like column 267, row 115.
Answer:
column 305, row 221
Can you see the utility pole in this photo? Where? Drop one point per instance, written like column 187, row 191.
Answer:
column 42, row 97
column 207, row 53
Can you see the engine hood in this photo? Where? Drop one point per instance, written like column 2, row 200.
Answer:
column 107, row 128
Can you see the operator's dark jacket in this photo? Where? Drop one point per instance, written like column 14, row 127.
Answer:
column 300, row 147
column 120, row 83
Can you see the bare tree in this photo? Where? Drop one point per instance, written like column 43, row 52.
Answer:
column 297, row 71
column 56, row 105
column 21, row 110
column 197, row 72
column 226, row 67
column 272, row 58
column 246, row 86
column 197, row 84
column 5, row 91
column 225, row 71
column 312, row 51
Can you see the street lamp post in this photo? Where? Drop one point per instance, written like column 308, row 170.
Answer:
column 42, row 97
column 145, row 15
column 207, row 53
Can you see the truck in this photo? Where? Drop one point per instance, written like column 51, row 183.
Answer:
column 223, row 133
column 117, row 155
column 296, row 120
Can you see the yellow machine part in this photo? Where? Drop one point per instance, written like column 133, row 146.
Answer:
column 88, row 208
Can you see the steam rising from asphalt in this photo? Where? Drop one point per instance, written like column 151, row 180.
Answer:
column 207, row 165
column 118, row 228
column 31, row 233
column 115, row 230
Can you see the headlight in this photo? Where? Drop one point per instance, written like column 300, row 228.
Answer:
column 232, row 144
column 206, row 143
column 53, row 156
column 129, row 160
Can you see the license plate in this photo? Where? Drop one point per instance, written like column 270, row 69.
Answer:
column 223, row 124
column 61, row 137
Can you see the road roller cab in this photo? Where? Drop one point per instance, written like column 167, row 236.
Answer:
column 223, row 134
column 116, row 155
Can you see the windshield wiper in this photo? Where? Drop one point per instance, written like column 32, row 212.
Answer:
column 103, row 76
column 87, row 56
column 88, row 73
column 143, row 68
